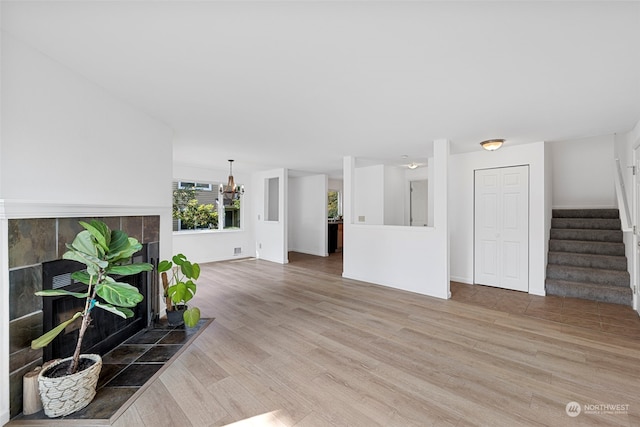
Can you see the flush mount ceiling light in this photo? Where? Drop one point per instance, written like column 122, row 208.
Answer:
column 492, row 144
column 412, row 165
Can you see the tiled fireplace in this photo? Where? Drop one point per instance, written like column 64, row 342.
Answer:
column 31, row 243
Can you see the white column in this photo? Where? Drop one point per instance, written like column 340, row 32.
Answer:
column 441, row 203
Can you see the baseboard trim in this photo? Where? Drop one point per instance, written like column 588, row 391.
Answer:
column 304, row 251
column 459, row 279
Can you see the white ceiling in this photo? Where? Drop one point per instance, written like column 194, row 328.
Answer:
column 302, row 84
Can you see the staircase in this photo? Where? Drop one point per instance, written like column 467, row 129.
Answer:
column 586, row 256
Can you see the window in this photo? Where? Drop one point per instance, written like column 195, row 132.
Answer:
column 232, row 212
column 198, row 206
column 197, row 185
column 334, row 207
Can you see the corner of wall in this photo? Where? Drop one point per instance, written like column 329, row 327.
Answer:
column 4, row 320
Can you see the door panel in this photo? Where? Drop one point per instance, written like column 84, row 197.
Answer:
column 418, row 192
column 489, row 264
column 502, row 227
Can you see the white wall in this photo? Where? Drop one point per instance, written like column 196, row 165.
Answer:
column 68, row 147
column 335, row 184
column 380, row 195
column 546, row 211
column 308, row 215
column 395, row 190
column 583, row 173
column 67, row 140
column 208, row 246
column 414, row 259
column 624, row 146
column 462, row 206
column 271, row 236
column 368, row 195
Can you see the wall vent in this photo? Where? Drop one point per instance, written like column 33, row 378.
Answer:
column 237, row 251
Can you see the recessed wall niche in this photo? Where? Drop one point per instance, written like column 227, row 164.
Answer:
column 272, row 199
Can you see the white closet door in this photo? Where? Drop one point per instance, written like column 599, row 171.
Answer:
column 501, row 241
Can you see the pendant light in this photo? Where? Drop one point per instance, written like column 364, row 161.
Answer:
column 230, row 191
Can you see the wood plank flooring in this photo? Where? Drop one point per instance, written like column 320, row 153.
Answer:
column 296, row 346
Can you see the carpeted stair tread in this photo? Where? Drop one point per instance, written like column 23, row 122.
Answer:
column 608, row 262
column 587, row 256
column 586, row 213
column 587, row 247
column 588, row 275
column 590, row 291
column 586, row 235
column 587, row 223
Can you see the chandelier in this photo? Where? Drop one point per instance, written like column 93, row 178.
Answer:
column 230, row 192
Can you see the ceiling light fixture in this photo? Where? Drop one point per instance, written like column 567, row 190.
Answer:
column 229, row 191
column 492, row 144
column 412, row 165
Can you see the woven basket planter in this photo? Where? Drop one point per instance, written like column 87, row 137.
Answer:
column 70, row 393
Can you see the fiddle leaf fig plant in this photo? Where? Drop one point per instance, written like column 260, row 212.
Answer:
column 104, row 252
column 181, row 287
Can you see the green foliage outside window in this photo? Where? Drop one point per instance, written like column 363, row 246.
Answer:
column 332, row 205
column 191, row 213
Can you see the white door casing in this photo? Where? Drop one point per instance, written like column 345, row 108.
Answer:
column 501, row 241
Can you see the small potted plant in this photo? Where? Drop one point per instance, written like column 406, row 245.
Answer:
column 69, row 385
column 179, row 289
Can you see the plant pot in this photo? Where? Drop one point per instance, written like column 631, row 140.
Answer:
column 69, row 393
column 176, row 316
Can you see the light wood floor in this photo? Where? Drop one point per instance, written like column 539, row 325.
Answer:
column 292, row 346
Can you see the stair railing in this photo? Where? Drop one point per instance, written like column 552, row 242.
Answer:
column 621, row 193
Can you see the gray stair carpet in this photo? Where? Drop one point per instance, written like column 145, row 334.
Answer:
column 586, row 256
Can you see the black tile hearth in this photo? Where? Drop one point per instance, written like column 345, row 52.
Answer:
column 159, row 353
column 109, row 371
column 101, row 407
column 134, row 375
column 149, row 336
column 125, row 370
column 125, row 353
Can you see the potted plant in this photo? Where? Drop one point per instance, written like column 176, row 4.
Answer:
column 179, row 289
column 69, row 384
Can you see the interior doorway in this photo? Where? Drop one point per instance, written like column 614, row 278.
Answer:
column 501, row 227
column 331, row 264
column 418, row 200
